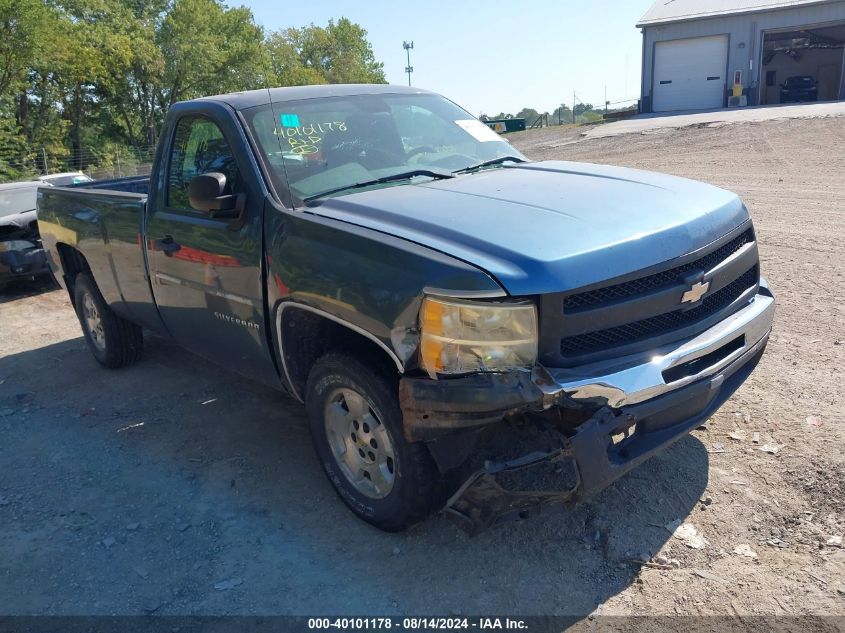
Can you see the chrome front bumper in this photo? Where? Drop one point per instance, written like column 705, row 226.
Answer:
column 628, row 382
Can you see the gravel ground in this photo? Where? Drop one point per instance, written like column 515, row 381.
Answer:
column 174, row 487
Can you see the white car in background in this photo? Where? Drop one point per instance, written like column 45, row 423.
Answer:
column 64, row 179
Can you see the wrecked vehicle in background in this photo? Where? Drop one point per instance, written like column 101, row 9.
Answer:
column 466, row 328
column 21, row 254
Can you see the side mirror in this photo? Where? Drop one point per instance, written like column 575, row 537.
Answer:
column 206, row 193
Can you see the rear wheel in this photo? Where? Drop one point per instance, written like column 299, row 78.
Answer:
column 114, row 341
column 356, row 425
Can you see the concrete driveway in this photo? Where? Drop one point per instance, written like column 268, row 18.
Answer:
column 654, row 123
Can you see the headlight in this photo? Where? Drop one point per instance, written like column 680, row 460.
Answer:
column 459, row 337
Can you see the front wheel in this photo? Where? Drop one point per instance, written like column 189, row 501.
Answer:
column 114, row 341
column 356, row 425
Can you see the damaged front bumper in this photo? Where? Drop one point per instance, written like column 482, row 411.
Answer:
column 21, row 252
column 26, row 263
column 649, row 404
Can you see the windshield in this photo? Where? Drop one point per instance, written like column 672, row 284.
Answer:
column 17, row 200
column 325, row 145
column 797, row 82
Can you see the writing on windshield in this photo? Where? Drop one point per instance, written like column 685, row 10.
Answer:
column 306, row 139
column 314, row 146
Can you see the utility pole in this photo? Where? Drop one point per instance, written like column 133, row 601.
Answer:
column 626, row 75
column 46, row 167
column 560, row 115
column 408, row 69
column 573, row 107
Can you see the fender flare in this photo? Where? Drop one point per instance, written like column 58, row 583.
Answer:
column 285, row 305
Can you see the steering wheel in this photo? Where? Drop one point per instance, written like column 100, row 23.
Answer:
column 454, row 161
column 368, row 155
column 422, row 149
column 376, row 157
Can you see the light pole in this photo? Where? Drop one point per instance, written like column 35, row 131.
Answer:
column 408, row 69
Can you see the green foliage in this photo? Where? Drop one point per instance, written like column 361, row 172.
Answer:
column 529, row 114
column 208, row 49
column 339, row 53
column 15, row 162
column 562, row 115
column 23, row 26
column 84, row 78
column 591, row 116
column 584, row 113
column 581, row 108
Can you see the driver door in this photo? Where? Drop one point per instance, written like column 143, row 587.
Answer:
column 206, row 272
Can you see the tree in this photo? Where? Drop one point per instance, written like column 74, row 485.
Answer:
column 591, row 116
column 561, row 114
column 129, row 93
column 15, row 161
column 350, row 56
column 529, row 114
column 287, row 66
column 83, row 79
column 339, row 53
column 207, row 49
column 581, row 108
column 22, row 35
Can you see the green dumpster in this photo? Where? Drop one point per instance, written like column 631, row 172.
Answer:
column 503, row 126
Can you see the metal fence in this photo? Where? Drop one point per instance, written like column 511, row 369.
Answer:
column 98, row 163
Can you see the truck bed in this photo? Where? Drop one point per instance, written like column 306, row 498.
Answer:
column 108, row 216
column 130, row 184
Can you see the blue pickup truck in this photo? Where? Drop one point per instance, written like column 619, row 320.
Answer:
column 467, row 329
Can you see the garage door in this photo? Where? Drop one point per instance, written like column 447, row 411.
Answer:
column 690, row 74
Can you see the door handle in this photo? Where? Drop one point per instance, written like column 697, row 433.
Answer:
column 167, row 246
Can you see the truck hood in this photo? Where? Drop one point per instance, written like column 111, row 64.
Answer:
column 549, row 226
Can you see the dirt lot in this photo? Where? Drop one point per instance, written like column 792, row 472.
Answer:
column 173, row 487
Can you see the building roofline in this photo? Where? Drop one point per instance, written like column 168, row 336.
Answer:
column 693, row 17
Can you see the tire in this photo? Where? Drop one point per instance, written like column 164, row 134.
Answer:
column 114, row 341
column 402, row 488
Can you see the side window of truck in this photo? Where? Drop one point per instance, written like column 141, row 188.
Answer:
column 198, row 148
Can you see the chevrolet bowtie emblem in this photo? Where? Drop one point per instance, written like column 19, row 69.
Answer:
column 695, row 292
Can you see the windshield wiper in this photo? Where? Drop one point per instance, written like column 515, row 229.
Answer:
column 404, row 175
column 489, row 163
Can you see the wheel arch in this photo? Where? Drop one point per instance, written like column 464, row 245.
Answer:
column 305, row 333
column 73, row 262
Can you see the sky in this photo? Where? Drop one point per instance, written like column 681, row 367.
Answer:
column 492, row 56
